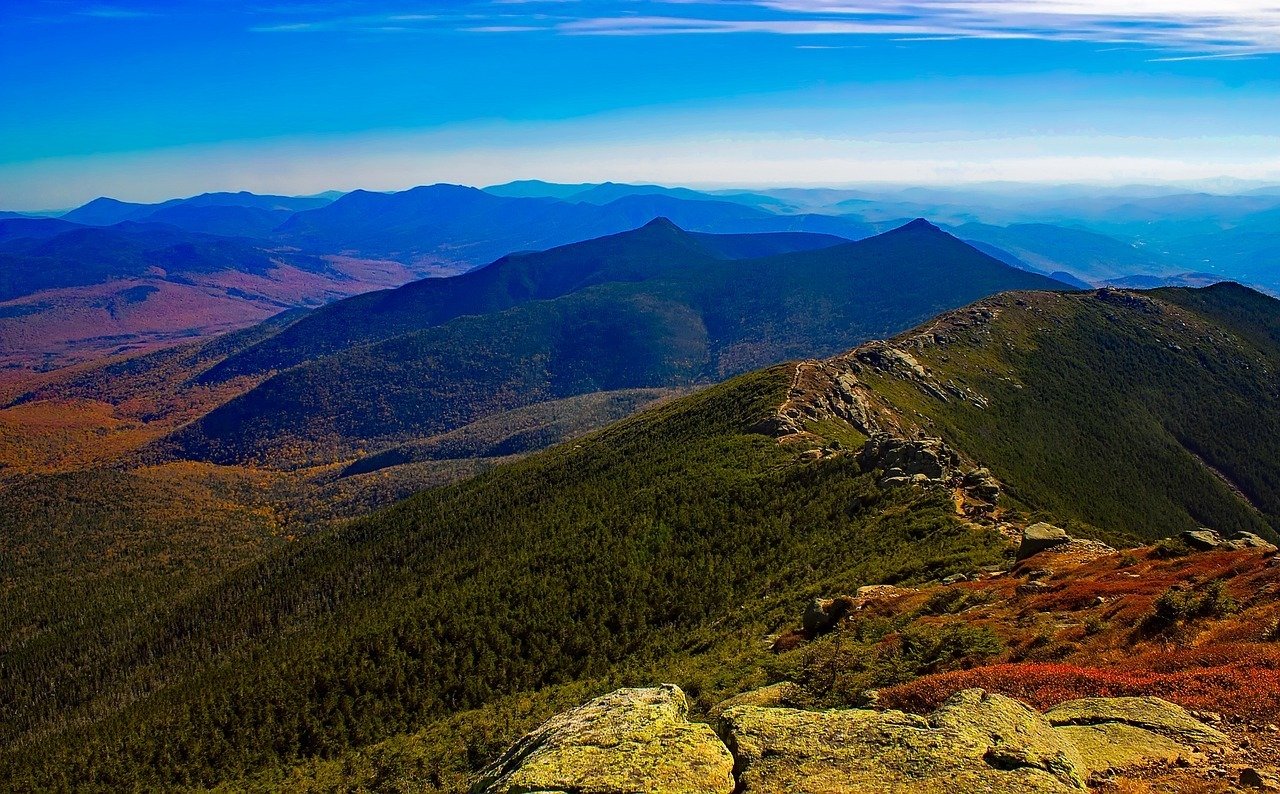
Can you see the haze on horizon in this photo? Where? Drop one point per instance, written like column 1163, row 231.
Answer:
column 302, row 97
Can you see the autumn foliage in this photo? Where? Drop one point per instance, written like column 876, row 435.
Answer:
column 1248, row 688
column 1106, row 628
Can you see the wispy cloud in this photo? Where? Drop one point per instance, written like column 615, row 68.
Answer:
column 1226, row 28
column 1202, row 26
column 112, row 12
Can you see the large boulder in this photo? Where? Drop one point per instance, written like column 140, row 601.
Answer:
column 975, row 742
column 980, row 484
column 1041, row 537
column 1149, row 713
column 1124, row 733
column 1248, row 540
column 1202, row 539
column 632, row 741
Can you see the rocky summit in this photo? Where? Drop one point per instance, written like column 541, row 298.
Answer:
column 637, row 740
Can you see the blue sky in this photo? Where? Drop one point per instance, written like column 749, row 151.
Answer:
column 145, row 100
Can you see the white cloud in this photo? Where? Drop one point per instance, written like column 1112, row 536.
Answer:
column 1217, row 26
column 1220, row 27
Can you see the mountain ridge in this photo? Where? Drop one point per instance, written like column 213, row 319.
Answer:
column 658, row 310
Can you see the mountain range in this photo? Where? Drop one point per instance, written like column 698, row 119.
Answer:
column 682, row 545
column 368, row 240
column 657, row 307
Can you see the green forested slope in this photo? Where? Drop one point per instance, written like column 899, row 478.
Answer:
column 1139, row 413
column 618, row 549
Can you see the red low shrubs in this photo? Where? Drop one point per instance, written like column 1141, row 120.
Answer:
column 1248, row 689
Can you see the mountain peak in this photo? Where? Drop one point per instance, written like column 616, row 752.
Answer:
column 662, row 222
column 919, row 225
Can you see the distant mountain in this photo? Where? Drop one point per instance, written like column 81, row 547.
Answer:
column 260, row 201
column 436, row 223
column 1193, row 206
column 637, row 255
column 996, row 252
column 1243, row 248
column 108, row 211
column 1152, row 282
column 536, row 188
column 231, row 221
column 612, row 191
column 465, row 227
column 17, row 227
column 439, row 229
column 754, row 246
column 88, row 255
column 70, row 293
column 1086, row 255
column 605, row 192
column 243, row 213
column 646, row 309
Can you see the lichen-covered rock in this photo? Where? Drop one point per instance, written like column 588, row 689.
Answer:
column 1117, row 747
column 773, row 696
column 1248, row 540
column 632, row 741
column 975, row 742
column 1149, row 713
column 1202, row 539
column 1039, row 537
column 1018, row 737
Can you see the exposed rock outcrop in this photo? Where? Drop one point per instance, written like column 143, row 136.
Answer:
column 975, row 742
column 1040, row 537
column 822, row 614
column 1205, row 539
column 1044, row 538
column 1248, row 540
column 832, row 390
column 909, row 461
column 822, row 390
column 639, row 740
column 1201, row 539
column 632, row 741
column 981, row 484
column 1149, row 713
